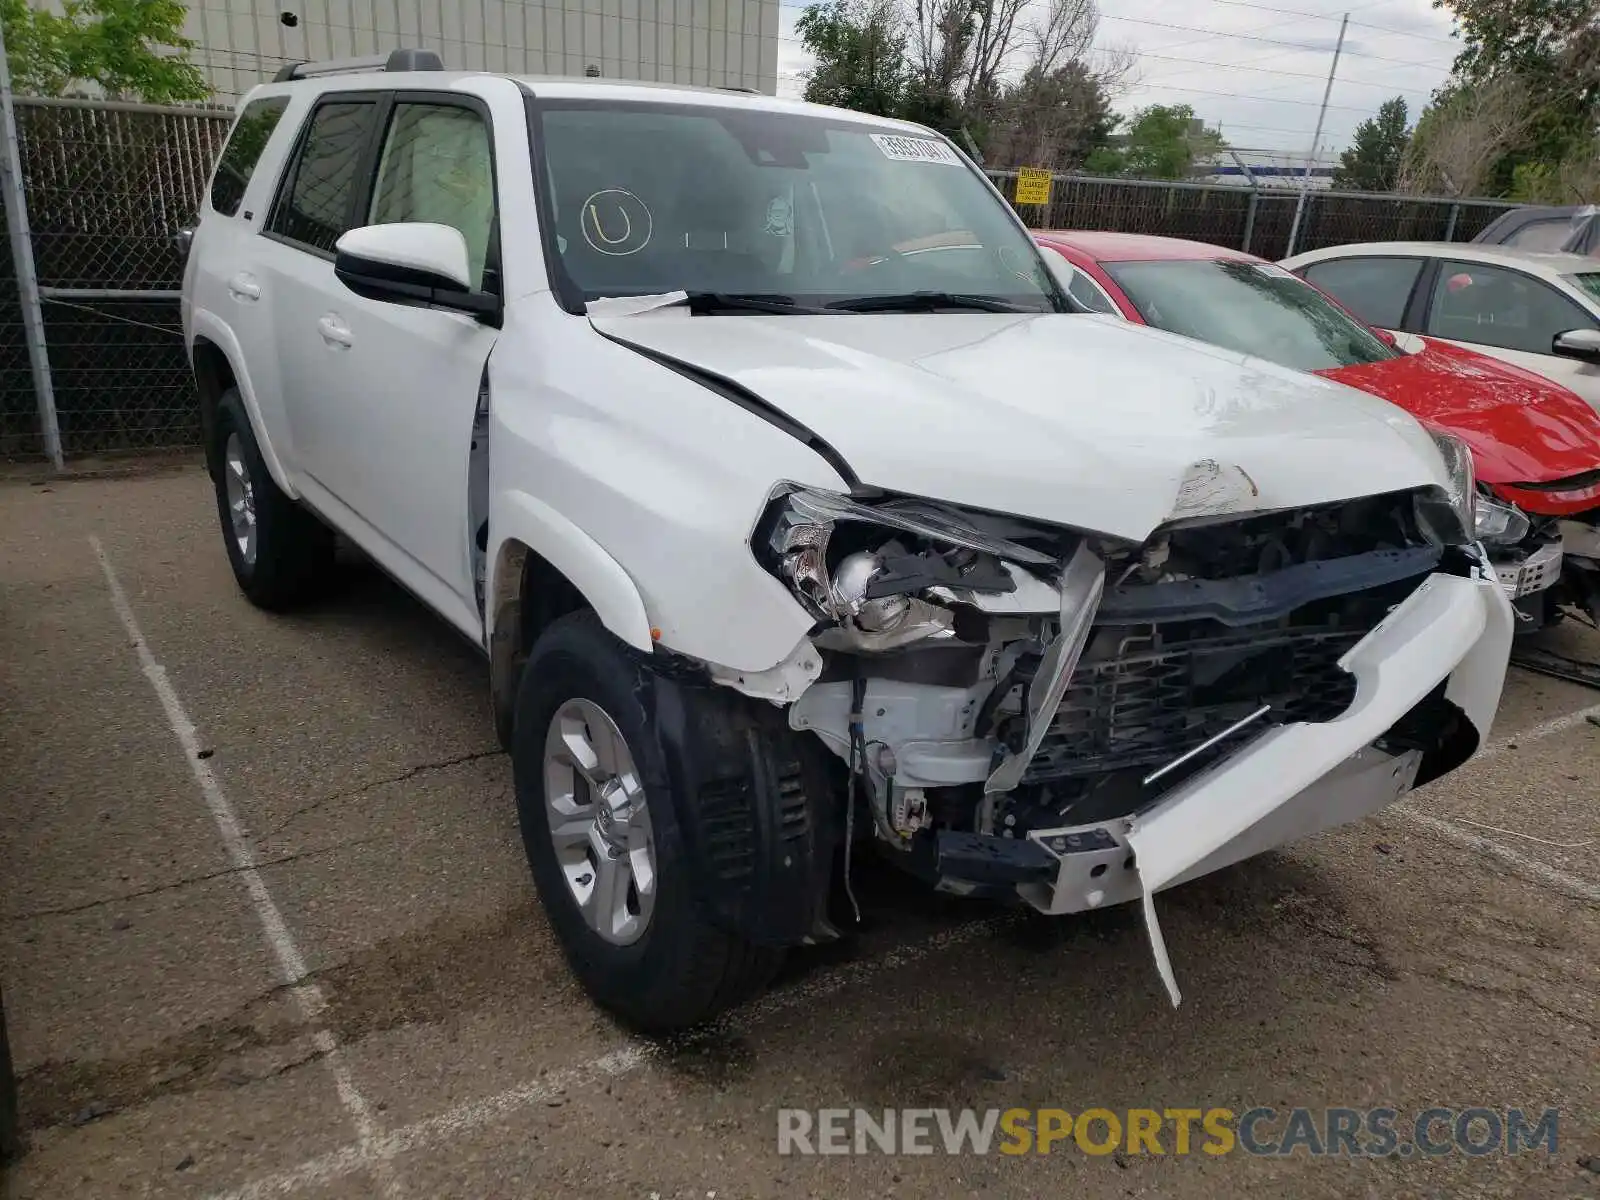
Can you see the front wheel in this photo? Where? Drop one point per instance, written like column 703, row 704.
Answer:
column 603, row 843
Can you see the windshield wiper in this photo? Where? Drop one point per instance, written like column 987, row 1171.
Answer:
column 703, row 303
column 927, row 302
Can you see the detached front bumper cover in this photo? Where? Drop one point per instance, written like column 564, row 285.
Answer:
column 1297, row 779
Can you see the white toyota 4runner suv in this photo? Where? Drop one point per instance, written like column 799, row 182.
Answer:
column 797, row 512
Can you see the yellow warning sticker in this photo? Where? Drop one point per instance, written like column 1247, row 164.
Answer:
column 1033, row 185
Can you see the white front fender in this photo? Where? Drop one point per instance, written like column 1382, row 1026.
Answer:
column 516, row 516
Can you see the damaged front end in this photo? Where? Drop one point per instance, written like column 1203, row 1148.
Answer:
column 1035, row 713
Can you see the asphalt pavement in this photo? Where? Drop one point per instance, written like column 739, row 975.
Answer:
column 266, row 930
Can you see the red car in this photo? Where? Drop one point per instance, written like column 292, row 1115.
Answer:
column 1535, row 445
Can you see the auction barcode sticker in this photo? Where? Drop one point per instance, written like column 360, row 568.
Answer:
column 910, row 149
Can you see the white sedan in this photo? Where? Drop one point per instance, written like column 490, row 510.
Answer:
column 1539, row 311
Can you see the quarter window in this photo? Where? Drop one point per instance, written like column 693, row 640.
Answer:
column 314, row 206
column 436, row 167
column 1087, row 293
column 243, row 151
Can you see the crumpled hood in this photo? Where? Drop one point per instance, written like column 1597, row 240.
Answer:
column 1080, row 420
column 1522, row 427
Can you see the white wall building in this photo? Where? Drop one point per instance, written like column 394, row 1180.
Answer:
column 725, row 43
column 1269, row 169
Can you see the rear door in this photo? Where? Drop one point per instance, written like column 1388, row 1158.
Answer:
column 315, row 204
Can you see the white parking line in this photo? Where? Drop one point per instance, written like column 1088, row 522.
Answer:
column 626, row 1059
column 1552, row 877
column 1540, row 731
column 291, row 964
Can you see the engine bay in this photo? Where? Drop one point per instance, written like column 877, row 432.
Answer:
column 974, row 701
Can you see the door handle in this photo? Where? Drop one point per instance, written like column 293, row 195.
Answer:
column 244, row 287
column 334, row 331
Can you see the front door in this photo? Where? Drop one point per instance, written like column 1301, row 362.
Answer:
column 1512, row 316
column 388, row 391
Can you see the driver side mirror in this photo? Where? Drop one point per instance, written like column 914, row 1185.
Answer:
column 413, row 262
column 1581, row 344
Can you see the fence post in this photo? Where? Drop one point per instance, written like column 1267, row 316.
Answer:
column 1250, row 220
column 16, row 203
column 1302, row 219
column 1450, row 226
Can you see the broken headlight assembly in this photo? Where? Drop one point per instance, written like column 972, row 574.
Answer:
column 884, row 574
column 1498, row 523
column 1448, row 515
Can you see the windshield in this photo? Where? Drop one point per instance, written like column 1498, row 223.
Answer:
column 650, row 198
column 1588, row 283
column 1255, row 308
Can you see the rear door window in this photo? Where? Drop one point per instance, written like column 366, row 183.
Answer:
column 314, row 204
column 245, row 145
column 1375, row 289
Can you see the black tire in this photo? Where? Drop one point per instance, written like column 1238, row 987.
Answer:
column 10, row 1128
column 294, row 551
column 683, row 970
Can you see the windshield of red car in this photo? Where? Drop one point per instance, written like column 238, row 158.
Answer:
column 1588, row 282
column 1255, row 308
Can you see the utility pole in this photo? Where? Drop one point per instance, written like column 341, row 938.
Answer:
column 1316, row 138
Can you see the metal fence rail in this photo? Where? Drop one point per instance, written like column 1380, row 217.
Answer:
column 104, row 185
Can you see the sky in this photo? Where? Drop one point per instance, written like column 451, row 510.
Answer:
column 1255, row 68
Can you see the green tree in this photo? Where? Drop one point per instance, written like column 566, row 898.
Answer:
column 126, row 49
column 1372, row 163
column 1106, row 160
column 1055, row 119
column 860, row 52
column 1165, row 141
column 1549, row 51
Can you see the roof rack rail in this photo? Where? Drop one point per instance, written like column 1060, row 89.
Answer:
column 395, row 60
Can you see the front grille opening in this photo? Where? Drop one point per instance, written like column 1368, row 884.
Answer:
column 1572, row 483
column 1145, row 695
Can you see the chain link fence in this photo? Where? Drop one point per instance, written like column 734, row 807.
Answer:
column 1243, row 218
column 105, row 185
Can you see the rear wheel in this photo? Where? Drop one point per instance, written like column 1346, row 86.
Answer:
column 280, row 552
column 603, row 843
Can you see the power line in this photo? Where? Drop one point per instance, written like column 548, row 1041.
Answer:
column 1218, row 66
column 1178, row 87
column 1322, row 16
column 1250, row 37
